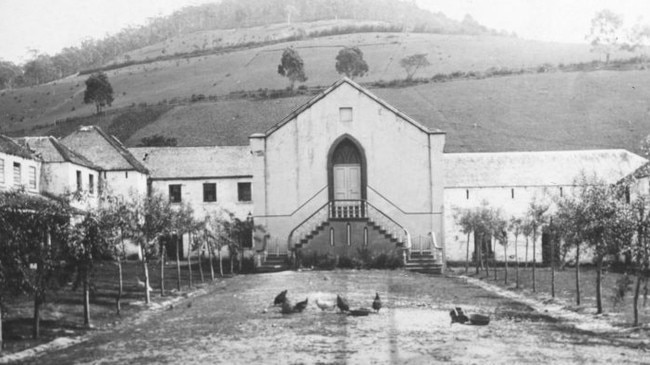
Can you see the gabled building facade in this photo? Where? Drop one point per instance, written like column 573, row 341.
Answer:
column 19, row 168
column 65, row 172
column 121, row 174
column 347, row 172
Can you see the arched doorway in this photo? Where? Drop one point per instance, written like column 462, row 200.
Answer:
column 347, row 178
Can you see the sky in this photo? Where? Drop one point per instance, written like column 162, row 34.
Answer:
column 50, row 25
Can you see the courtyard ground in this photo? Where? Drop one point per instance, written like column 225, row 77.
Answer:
column 233, row 323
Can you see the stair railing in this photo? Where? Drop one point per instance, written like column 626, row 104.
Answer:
column 436, row 250
column 394, row 229
column 304, row 228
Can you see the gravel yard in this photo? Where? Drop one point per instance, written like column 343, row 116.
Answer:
column 234, row 323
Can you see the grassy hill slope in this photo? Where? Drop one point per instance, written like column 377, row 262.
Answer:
column 256, row 68
column 551, row 111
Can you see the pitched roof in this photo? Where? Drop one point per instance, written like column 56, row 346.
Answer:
column 49, row 149
column 103, row 150
column 546, row 168
column 195, row 162
column 11, row 147
column 336, row 85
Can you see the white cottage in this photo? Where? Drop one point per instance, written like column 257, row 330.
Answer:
column 19, row 168
column 121, row 174
column 65, row 172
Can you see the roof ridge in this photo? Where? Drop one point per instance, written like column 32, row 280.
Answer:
column 296, row 111
column 122, row 150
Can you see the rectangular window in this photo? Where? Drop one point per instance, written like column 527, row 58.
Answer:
column 467, row 194
column 17, row 177
column 126, row 174
column 91, row 183
column 79, row 186
column 32, row 177
column 2, row 171
column 345, row 114
column 512, row 193
column 175, row 193
column 244, row 192
column 210, row 192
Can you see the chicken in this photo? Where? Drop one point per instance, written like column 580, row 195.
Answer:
column 280, row 298
column 342, row 304
column 141, row 284
column 376, row 304
column 300, row 306
column 287, row 308
column 324, row 304
column 457, row 316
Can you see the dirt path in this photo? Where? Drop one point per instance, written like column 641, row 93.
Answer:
column 233, row 324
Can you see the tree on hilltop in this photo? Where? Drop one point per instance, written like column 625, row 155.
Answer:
column 292, row 66
column 605, row 33
column 350, row 62
column 412, row 63
column 98, row 91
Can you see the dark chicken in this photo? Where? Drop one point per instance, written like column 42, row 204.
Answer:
column 376, row 304
column 280, row 298
column 457, row 316
column 342, row 304
column 300, row 306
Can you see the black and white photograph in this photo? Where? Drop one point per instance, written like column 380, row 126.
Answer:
column 324, row 182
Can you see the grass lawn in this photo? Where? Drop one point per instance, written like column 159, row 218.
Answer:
column 565, row 290
column 62, row 314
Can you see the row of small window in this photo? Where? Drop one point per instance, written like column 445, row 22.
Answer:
column 91, row 183
column 18, row 176
column 210, row 192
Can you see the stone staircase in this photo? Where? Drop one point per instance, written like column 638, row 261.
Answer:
column 423, row 262
column 274, row 263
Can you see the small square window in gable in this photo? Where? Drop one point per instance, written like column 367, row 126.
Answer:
column 345, row 114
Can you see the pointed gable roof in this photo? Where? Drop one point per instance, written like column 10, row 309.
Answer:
column 49, row 149
column 353, row 84
column 11, row 147
column 102, row 150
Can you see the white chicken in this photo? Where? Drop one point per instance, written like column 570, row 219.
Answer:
column 324, row 304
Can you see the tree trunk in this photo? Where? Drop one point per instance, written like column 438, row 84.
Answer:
column 467, row 256
column 1, row 343
column 635, row 306
column 147, row 296
column 211, row 257
column 232, row 261
column 578, row 274
column 240, row 259
column 200, row 254
column 36, row 329
column 86, row 302
column 220, row 261
column 534, row 259
column 178, row 264
column 120, row 288
column 162, row 269
column 189, row 258
column 526, row 255
column 494, row 260
column 516, row 265
column 477, row 253
column 645, row 291
column 505, row 262
column 599, row 288
column 553, row 267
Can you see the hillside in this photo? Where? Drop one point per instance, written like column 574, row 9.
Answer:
column 255, row 68
column 551, row 111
